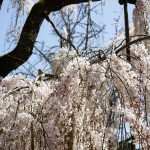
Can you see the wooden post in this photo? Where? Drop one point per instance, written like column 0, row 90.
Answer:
column 126, row 20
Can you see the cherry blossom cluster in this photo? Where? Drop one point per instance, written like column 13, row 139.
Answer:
column 80, row 109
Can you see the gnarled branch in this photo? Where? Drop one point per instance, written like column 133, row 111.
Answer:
column 21, row 53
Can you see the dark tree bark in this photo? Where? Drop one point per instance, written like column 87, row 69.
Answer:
column 21, row 53
column 121, row 2
column 1, row 1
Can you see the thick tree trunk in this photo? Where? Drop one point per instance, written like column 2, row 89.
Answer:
column 24, row 48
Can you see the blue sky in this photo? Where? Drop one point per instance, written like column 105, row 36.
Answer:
column 111, row 10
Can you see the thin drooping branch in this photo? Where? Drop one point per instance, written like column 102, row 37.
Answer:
column 133, row 42
column 118, row 50
column 21, row 53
